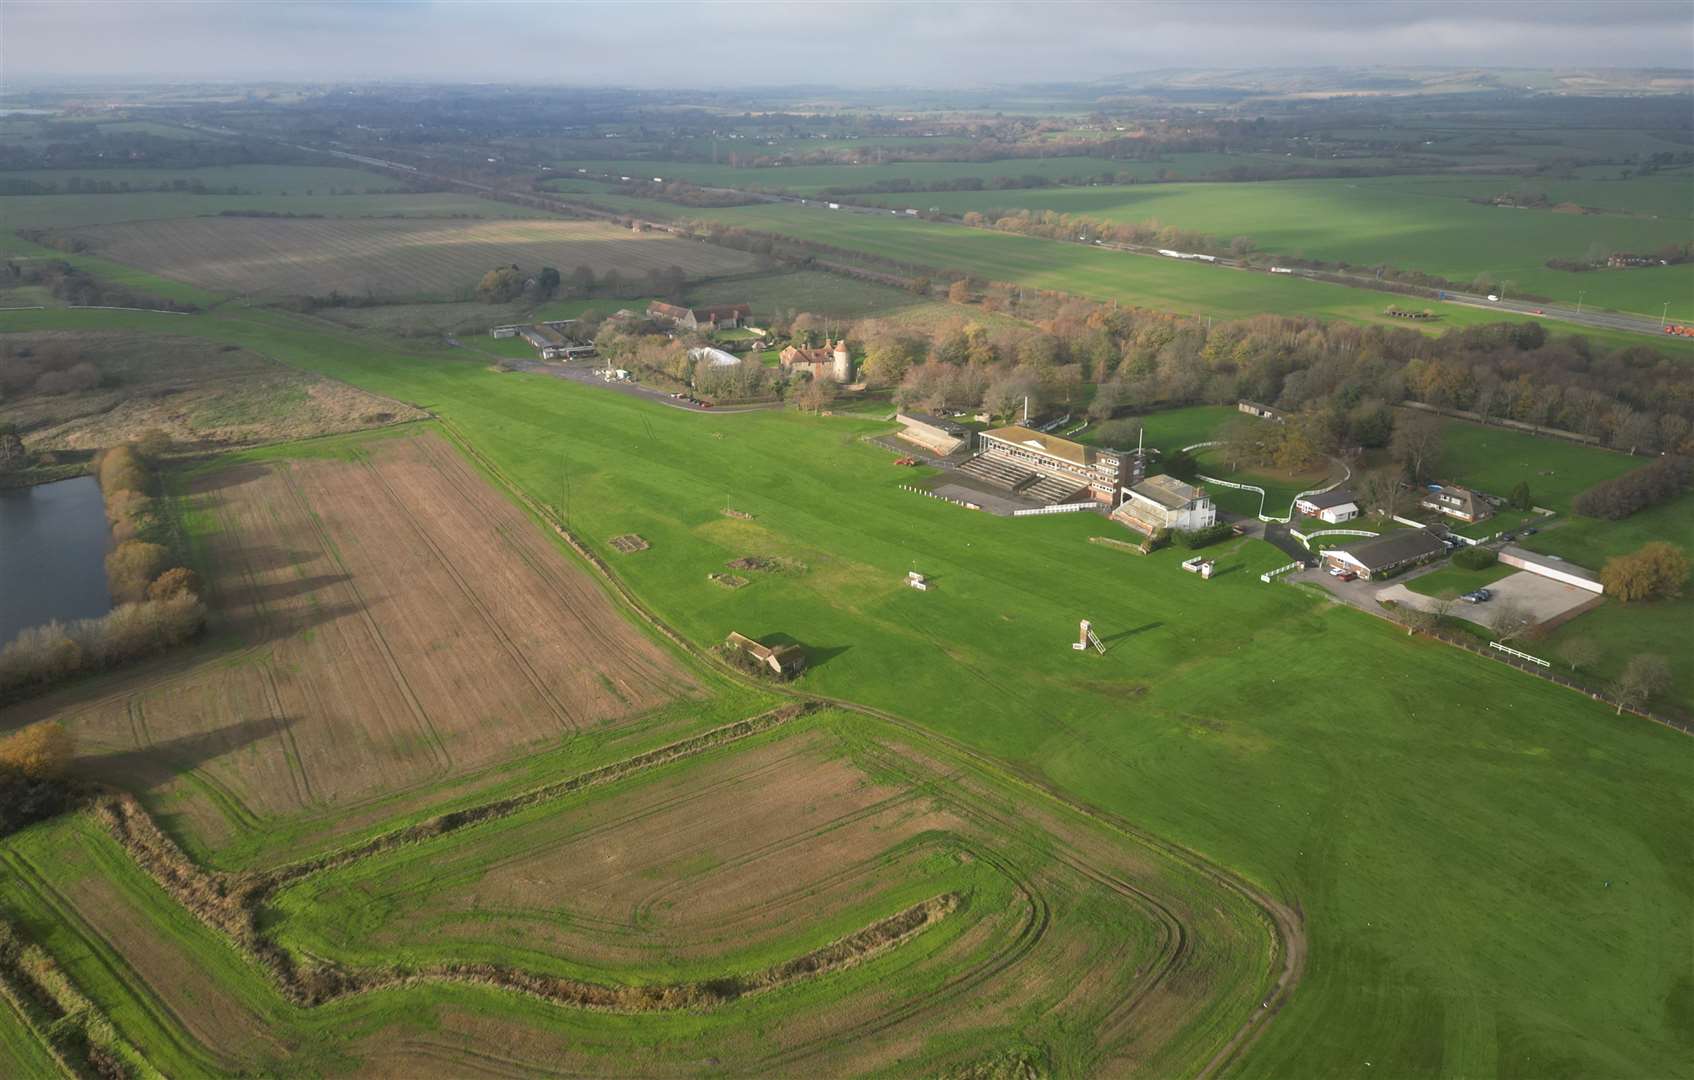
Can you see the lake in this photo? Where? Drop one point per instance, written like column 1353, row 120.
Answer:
column 53, row 543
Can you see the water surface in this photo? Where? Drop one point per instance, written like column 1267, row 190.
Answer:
column 53, row 543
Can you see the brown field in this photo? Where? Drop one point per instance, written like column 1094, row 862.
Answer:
column 394, row 621
column 201, row 394
column 390, row 257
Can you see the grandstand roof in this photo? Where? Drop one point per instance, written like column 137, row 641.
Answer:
column 1075, row 453
column 1167, row 491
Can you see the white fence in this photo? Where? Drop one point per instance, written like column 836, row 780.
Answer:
column 1058, row 508
column 943, row 498
column 1307, row 538
column 1241, row 487
column 1520, row 655
column 1268, row 575
column 1409, row 521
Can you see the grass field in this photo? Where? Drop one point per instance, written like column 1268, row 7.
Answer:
column 1398, row 221
column 203, row 396
column 1495, row 460
column 1451, row 581
column 1449, row 860
column 258, row 257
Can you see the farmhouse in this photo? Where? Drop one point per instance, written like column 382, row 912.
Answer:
column 1456, row 502
column 784, row 661
column 1331, row 506
column 1164, row 502
column 1382, row 556
column 933, row 433
column 823, row 362
column 1047, row 468
column 1551, row 566
column 719, row 317
column 1263, row 412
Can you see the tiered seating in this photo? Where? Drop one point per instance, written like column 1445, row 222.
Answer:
column 1053, row 489
column 998, row 471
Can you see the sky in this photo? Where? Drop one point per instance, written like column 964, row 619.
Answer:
column 720, row 43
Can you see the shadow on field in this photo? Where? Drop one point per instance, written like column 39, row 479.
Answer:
column 816, row 655
column 227, row 478
column 158, row 764
column 1121, row 634
column 283, row 590
column 263, row 558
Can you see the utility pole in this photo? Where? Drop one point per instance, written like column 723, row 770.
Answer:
column 1580, row 293
column 1664, row 314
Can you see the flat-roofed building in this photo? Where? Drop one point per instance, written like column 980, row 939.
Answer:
column 1164, row 502
column 1388, row 554
column 936, row 434
column 1331, row 506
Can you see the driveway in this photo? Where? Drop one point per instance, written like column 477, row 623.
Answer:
column 1543, row 598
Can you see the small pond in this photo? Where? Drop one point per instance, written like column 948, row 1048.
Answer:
column 53, row 543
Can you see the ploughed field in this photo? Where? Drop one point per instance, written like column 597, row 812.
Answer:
column 265, row 257
column 382, row 621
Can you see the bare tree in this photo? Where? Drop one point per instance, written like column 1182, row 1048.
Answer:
column 1579, row 652
column 1511, row 619
column 1416, row 445
column 1645, row 676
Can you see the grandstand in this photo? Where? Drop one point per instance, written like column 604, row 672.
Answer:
column 1047, row 468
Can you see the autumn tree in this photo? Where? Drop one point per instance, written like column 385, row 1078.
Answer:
column 500, row 285
column 177, row 581
column 959, row 292
column 1656, row 569
column 40, row 751
column 131, row 568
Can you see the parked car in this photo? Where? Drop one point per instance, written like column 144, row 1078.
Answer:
column 1347, row 575
column 1470, row 598
column 1486, row 594
column 1336, row 571
column 1531, row 531
column 1508, row 537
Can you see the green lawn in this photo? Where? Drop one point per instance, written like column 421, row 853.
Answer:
column 1445, row 825
column 1496, row 460
column 1416, row 223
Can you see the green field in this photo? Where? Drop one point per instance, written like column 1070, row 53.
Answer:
column 1495, row 460
column 1417, row 223
column 1451, row 581
column 1448, row 860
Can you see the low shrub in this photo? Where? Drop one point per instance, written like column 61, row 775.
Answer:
column 1199, row 538
column 1475, row 558
column 1621, row 496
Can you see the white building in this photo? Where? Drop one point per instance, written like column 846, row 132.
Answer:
column 1164, row 502
column 1331, row 506
column 714, row 357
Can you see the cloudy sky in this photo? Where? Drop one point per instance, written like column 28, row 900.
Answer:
column 714, row 43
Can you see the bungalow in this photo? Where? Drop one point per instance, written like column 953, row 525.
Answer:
column 1164, row 502
column 1456, row 502
column 1331, row 506
column 718, row 317
column 1388, row 554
